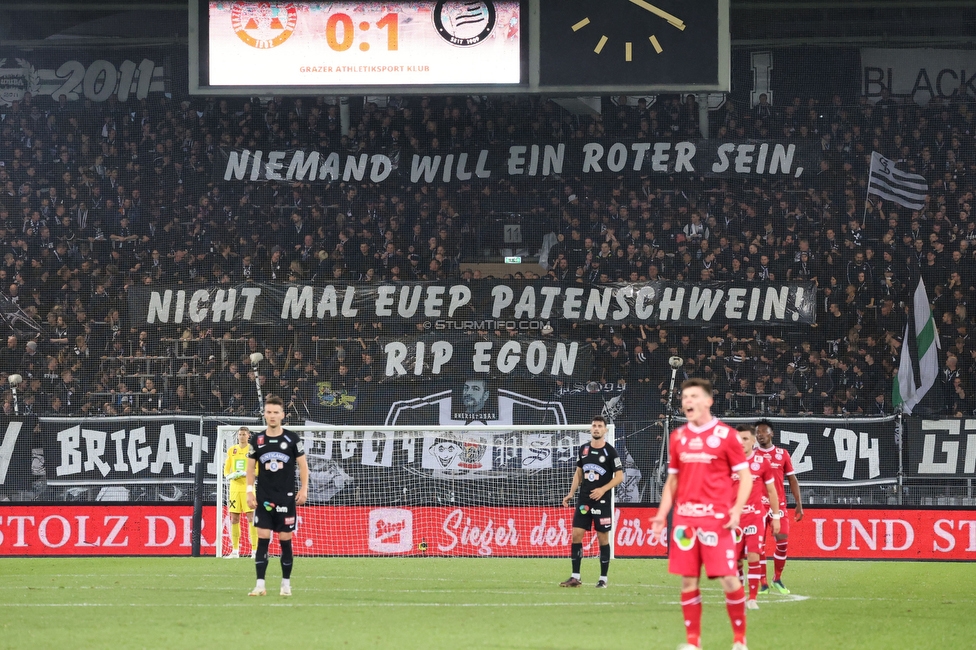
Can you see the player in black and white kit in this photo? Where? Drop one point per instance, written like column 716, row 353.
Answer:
column 598, row 471
column 273, row 498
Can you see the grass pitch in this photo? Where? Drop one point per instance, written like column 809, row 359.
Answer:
column 466, row 603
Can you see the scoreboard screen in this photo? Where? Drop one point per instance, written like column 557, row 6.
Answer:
column 364, row 44
column 462, row 46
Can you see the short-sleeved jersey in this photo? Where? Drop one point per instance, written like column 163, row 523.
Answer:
column 704, row 459
column 275, row 457
column 762, row 475
column 598, row 465
column 782, row 466
column 236, row 462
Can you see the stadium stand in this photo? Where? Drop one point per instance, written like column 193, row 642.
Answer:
column 95, row 199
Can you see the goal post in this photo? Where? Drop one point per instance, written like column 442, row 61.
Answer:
column 430, row 491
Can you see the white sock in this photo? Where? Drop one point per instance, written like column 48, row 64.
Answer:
column 286, row 582
column 604, row 578
column 259, row 585
column 575, row 576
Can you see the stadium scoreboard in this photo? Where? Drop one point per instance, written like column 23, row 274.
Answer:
column 497, row 46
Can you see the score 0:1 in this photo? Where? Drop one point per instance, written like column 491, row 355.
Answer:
column 389, row 22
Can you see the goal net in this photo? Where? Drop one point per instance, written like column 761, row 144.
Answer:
column 431, row 491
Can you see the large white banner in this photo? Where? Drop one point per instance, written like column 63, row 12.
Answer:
column 354, row 43
column 919, row 74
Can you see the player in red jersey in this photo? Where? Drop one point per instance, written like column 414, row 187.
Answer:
column 708, row 505
column 762, row 498
column 782, row 464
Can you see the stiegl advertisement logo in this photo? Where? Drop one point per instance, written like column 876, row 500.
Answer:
column 390, row 530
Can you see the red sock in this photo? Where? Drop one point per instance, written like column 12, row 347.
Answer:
column 754, row 576
column 735, row 603
column 691, row 609
column 779, row 559
column 762, row 564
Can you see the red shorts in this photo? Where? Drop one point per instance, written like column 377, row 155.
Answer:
column 701, row 541
column 784, row 522
column 750, row 535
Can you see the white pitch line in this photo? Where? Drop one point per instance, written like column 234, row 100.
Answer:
column 779, row 600
column 337, row 577
column 471, row 592
column 329, row 576
column 775, row 599
column 333, row 576
column 261, row 603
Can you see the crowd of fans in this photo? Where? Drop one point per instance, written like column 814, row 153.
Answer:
column 95, row 198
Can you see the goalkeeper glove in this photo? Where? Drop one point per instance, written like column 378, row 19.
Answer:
column 236, row 475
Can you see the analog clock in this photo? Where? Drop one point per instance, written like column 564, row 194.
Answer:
column 634, row 44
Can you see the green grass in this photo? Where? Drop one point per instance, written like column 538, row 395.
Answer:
column 466, row 603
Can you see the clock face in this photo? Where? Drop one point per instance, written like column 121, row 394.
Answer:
column 632, row 43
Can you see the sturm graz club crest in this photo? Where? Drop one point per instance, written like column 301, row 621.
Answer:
column 464, row 23
column 493, row 451
column 15, row 82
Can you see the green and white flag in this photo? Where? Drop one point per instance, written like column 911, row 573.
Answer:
column 918, row 367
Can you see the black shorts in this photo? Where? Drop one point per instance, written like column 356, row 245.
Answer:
column 279, row 517
column 595, row 514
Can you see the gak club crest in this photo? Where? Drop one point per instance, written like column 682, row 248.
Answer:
column 263, row 25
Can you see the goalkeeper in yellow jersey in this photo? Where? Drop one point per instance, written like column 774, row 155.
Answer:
column 235, row 471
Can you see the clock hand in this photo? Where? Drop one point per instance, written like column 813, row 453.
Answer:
column 660, row 12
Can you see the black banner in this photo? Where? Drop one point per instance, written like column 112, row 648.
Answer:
column 21, row 455
column 93, row 75
column 458, row 356
column 482, row 305
column 151, row 459
column 129, row 451
column 830, row 451
column 482, row 460
column 940, row 448
column 714, row 158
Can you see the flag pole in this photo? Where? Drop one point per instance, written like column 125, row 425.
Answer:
column 901, row 455
column 867, row 196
